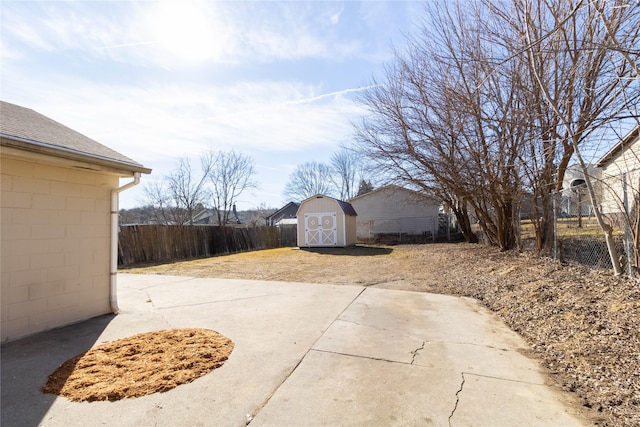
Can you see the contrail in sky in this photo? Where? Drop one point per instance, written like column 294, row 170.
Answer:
column 328, row 95
column 114, row 46
column 269, row 107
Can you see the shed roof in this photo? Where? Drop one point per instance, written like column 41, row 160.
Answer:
column 346, row 207
column 617, row 149
column 29, row 130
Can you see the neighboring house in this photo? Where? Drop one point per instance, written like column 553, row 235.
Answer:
column 210, row 217
column 395, row 210
column 620, row 165
column 324, row 221
column 205, row 216
column 59, row 209
column 250, row 218
column 284, row 215
column 575, row 198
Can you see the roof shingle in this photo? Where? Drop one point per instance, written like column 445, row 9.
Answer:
column 30, row 127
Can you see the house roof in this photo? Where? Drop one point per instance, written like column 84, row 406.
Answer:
column 29, row 130
column 287, row 221
column 210, row 216
column 617, row 149
column 393, row 188
column 346, row 207
column 290, row 205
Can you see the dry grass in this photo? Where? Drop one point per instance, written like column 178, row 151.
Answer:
column 570, row 227
column 584, row 325
column 361, row 265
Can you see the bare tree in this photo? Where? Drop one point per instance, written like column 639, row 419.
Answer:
column 580, row 84
column 634, row 225
column 157, row 197
column 258, row 216
column 179, row 194
column 444, row 121
column 139, row 215
column 230, row 174
column 309, row 179
column 494, row 99
column 187, row 190
column 348, row 169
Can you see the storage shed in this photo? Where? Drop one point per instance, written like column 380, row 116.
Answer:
column 326, row 222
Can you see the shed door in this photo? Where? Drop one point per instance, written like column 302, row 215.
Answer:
column 321, row 229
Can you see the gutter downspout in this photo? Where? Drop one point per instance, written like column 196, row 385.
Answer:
column 113, row 269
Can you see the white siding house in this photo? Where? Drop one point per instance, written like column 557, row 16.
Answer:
column 619, row 165
column 395, row 210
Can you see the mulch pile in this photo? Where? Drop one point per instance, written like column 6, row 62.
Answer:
column 140, row 365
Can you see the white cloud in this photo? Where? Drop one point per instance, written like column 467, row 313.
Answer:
column 174, row 34
column 118, row 72
column 157, row 120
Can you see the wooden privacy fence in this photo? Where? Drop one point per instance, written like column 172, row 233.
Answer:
column 139, row 244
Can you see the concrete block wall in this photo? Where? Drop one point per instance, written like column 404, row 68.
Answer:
column 55, row 245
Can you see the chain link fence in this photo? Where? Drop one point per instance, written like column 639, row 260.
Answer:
column 423, row 229
column 578, row 237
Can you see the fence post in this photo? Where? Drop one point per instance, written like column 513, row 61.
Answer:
column 436, row 230
column 519, row 227
column 555, row 225
column 627, row 231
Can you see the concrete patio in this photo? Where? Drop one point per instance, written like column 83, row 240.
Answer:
column 304, row 355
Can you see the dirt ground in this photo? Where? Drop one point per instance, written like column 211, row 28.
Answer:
column 140, row 365
column 582, row 324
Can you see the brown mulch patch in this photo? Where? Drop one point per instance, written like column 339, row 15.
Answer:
column 582, row 324
column 140, row 365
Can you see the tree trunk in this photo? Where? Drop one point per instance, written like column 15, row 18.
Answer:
column 545, row 240
column 462, row 215
column 636, row 233
column 506, row 227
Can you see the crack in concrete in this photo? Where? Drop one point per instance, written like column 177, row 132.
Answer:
column 256, row 411
column 169, row 282
column 493, row 377
column 415, row 352
column 455, row 407
column 254, row 414
column 474, row 344
column 359, row 356
column 214, row 302
column 157, row 310
column 361, row 324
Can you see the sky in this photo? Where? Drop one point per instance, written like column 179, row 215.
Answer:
column 160, row 80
